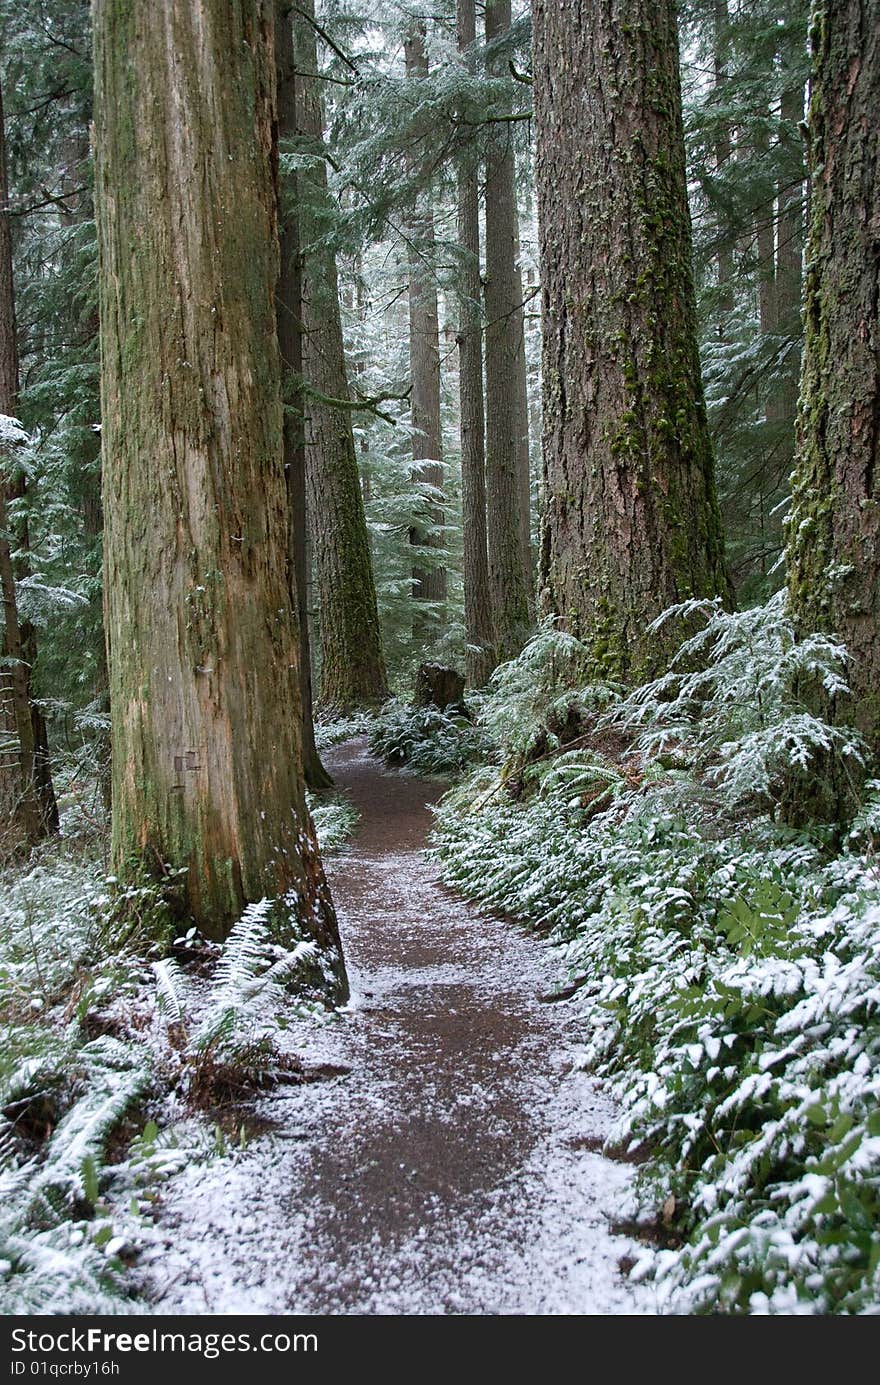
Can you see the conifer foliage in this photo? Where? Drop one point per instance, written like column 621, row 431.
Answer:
column 520, row 356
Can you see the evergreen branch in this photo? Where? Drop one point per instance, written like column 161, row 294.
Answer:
column 49, row 200
column 495, row 119
column 532, row 293
column 523, row 77
column 322, row 33
column 324, row 77
column 361, row 404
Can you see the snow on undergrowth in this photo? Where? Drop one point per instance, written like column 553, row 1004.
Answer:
column 335, row 819
column 122, row 1060
column 429, row 740
column 727, row 965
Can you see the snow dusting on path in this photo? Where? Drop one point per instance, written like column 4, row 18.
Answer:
column 452, row 1168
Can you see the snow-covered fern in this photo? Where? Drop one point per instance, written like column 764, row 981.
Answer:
column 735, row 704
column 247, row 993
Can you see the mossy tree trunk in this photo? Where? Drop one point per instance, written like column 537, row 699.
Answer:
column 290, row 343
column 203, row 645
column 507, row 423
column 834, row 524
column 632, row 522
column 352, row 664
column 479, row 629
column 429, row 579
column 27, row 796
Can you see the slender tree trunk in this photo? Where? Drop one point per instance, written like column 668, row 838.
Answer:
column 834, row 526
column 18, row 796
column 429, row 581
column 507, row 427
column 78, row 210
column 631, row 522
column 290, row 343
column 361, row 310
column 789, row 268
column 203, row 645
column 29, row 798
column 765, row 250
column 352, row 665
column 479, row 632
column 723, row 151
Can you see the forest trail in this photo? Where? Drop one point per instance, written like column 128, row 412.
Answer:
column 453, row 1168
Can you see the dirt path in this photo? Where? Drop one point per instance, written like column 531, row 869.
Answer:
column 450, row 1170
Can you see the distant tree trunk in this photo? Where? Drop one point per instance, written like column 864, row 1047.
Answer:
column 202, row 633
column 352, row 665
column 429, row 582
column 631, row 523
column 479, row 632
column 289, row 312
column 789, row 270
column 84, row 448
column 765, row 250
column 361, row 310
column 723, row 150
column 507, row 427
column 18, row 796
column 834, row 526
column 28, row 798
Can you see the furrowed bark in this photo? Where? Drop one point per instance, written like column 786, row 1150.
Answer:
column 834, row 524
column 632, row 522
column 202, row 633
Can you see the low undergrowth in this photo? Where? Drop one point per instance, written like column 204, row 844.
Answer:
column 430, row 741
column 122, row 1060
column 726, row 965
column 335, row 820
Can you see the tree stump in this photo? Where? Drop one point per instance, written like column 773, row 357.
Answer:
column 439, row 687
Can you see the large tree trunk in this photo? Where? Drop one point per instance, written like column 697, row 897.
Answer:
column 834, row 526
column 632, row 523
column 290, row 343
column 429, row 581
column 507, row 424
column 479, row 631
column 203, row 645
column 26, row 793
column 352, row 665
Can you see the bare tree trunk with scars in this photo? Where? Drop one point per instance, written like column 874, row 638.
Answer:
column 27, row 797
column 507, row 422
column 632, row 523
column 479, row 629
column 202, row 633
column 352, row 664
column 834, row 525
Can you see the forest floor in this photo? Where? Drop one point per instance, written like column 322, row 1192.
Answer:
column 446, row 1159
